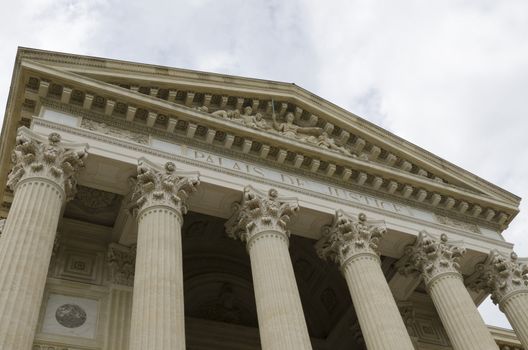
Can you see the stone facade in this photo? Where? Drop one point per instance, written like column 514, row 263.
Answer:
column 128, row 188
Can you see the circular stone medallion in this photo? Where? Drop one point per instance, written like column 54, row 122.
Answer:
column 70, row 315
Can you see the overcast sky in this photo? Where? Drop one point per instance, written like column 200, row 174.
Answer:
column 449, row 76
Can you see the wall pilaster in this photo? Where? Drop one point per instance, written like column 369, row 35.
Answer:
column 121, row 261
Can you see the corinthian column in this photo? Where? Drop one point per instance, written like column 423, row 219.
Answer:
column 437, row 261
column 261, row 221
column 507, row 281
column 353, row 244
column 43, row 179
column 159, row 201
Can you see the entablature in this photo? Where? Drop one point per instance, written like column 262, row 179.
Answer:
column 335, row 155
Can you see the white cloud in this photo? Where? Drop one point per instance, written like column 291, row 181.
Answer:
column 450, row 76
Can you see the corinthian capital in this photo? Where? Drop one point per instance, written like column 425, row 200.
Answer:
column 347, row 237
column 37, row 156
column 431, row 257
column 501, row 275
column 165, row 186
column 258, row 212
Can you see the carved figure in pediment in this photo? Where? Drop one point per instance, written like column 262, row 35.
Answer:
column 289, row 129
column 231, row 115
column 247, row 118
column 254, row 121
column 261, row 123
column 328, row 142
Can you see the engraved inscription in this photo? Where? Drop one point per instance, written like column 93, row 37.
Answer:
column 293, row 181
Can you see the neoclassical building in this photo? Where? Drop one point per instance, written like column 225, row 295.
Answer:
column 148, row 207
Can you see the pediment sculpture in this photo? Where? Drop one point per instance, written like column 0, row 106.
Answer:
column 313, row 135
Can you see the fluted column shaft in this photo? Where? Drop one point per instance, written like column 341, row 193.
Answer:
column 25, row 253
column 353, row 244
column 437, row 262
column 42, row 178
column 280, row 314
column 516, row 309
column 158, row 309
column 119, row 313
column 158, row 318
column 261, row 221
column 378, row 315
column 459, row 315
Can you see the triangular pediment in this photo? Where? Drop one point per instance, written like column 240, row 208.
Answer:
column 272, row 122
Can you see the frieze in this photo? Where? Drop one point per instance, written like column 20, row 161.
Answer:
column 291, row 181
column 113, row 131
column 457, row 223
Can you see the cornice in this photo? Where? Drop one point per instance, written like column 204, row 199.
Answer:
column 189, row 114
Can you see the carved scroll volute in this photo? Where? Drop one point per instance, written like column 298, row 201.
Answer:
column 348, row 237
column 431, row 257
column 48, row 158
column 501, row 275
column 168, row 187
column 260, row 212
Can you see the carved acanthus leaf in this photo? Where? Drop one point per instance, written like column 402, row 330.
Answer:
column 347, row 237
column 163, row 186
column 259, row 211
column 121, row 263
column 35, row 156
column 431, row 257
column 500, row 275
